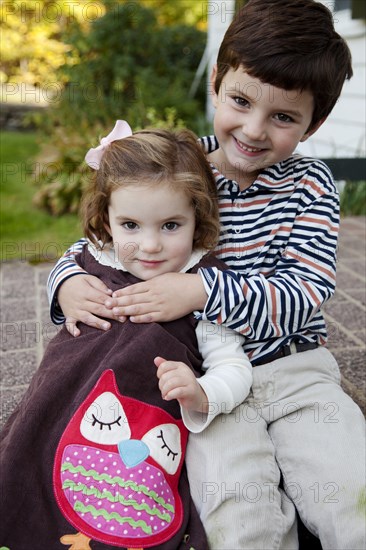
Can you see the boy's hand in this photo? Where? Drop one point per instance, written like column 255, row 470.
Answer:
column 82, row 299
column 163, row 298
column 177, row 381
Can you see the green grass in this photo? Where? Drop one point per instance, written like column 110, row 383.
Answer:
column 26, row 232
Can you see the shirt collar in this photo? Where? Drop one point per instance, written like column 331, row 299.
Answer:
column 105, row 255
column 269, row 179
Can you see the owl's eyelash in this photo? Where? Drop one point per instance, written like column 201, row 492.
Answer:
column 165, row 446
column 102, row 424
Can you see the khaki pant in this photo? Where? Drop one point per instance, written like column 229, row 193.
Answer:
column 299, row 427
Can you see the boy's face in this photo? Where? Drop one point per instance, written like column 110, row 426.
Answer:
column 257, row 125
column 152, row 228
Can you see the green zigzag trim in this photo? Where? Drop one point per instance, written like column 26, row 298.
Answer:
column 69, row 484
column 67, row 466
column 79, row 507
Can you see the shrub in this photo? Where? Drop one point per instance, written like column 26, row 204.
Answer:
column 125, row 66
column 353, row 199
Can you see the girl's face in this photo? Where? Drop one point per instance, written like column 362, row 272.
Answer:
column 152, row 229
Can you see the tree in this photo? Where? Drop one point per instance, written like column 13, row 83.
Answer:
column 34, row 32
column 32, row 37
column 124, row 66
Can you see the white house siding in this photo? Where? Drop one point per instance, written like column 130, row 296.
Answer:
column 219, row 16
column 343, row 134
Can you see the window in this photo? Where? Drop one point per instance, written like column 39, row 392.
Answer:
column 356, row 7
column 342, row 5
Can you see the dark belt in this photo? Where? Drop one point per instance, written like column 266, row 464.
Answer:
column 284, row 351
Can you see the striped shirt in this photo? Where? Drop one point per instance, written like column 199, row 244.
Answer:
column 279, row 240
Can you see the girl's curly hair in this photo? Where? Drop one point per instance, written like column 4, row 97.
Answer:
column 153, row 157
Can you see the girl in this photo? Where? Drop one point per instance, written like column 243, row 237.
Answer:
column 95, row 450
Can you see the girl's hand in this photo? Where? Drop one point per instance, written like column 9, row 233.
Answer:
column 82, row 299
column 177, row 381
column 164, row 298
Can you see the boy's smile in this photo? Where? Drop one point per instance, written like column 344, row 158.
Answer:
column 257, row 125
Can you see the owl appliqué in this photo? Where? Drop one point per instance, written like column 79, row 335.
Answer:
column 116, row 471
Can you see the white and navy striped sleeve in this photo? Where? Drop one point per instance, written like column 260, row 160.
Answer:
column 285, row 271
column 65, row 268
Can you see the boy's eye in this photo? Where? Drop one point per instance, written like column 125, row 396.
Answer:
column 170, row 226
column 130, row 225
column 283, row 118
column 241, row 101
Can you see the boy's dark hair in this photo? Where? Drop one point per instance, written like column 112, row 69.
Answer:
column 290, row 44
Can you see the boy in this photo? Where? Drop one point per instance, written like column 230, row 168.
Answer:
column 280, row 70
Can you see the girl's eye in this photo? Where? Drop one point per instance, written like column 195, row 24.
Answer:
column 130, row 225
column 170, row 226
column 283, row 118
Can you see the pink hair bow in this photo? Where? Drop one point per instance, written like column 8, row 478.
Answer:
column 94, row 156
